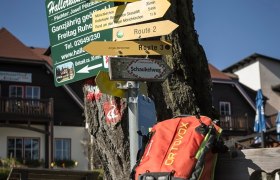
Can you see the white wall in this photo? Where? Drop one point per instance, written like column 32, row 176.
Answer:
column 78, row 135
column 270, row 75
column 250, row 76
column 263, row 74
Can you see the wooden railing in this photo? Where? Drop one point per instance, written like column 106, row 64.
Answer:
column 12, row 107
column 234, row 122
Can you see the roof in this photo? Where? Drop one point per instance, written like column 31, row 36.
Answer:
column 41, row 52
column 226, row 78
column 217, row 74
column 11, row 47
column 248, row 60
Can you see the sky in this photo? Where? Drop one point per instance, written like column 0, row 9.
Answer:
column 229, row 30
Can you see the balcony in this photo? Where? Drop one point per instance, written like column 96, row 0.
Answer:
column 20, row 110
column 235, row 123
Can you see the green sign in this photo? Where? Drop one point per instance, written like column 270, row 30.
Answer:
column 70, row 29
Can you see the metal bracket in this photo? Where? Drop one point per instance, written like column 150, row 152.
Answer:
column 133, row 99
column 128, row 85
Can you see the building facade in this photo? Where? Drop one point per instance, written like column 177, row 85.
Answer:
column 38, row 121
column 261, row 72
column 232, row 103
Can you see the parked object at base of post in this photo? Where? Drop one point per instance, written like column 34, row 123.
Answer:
column 180, row 148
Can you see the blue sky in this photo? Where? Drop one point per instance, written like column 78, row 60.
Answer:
column 228, row 30
column 234, row 29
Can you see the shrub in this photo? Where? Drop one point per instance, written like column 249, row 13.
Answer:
column 98, row 174
column 9, row 162
column 33, row 163
column 4, row 173
column 65, row 163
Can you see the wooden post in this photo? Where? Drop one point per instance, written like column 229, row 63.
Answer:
column 263, row 139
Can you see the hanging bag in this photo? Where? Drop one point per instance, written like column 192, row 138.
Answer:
column 179, row 149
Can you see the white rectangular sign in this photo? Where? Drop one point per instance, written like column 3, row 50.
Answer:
column 15, row 76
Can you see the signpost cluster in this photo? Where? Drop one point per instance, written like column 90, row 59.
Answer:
column 83, row 35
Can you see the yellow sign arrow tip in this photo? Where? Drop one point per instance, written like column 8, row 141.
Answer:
column 107, row 86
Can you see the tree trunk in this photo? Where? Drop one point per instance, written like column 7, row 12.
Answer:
column 185, row 90
column 189, row 86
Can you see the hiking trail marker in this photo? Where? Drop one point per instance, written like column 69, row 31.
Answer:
column 131, row 13
column 138, row 69
column 146, row 30
column 113, row 48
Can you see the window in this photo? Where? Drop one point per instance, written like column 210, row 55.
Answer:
column 23, row 148
column 225, row 109
column 32, row 92
column 16, row 91
column 62, row 149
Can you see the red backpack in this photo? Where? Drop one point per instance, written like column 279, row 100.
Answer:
column 179, row 148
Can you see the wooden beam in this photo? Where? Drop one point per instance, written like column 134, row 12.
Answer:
column 24, row 127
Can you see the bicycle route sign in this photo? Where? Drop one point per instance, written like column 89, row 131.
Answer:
column 70, row 29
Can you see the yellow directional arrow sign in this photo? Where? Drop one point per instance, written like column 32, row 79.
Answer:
column 107, row 86
column 114, row 48
column 131, row 13
column 147, row 30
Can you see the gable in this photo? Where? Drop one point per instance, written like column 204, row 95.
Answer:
column 11, row 47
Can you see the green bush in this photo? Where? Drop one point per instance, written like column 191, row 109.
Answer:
column 4, row 173
column 33, row 163
column 98, row 174
column 65, row 163
column 12, row 162
column 9, row 162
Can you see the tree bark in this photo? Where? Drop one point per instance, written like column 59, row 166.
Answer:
column 189, row 86
column 185, row 90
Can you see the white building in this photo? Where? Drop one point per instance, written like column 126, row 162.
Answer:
column 38, row 121
column 260, row 72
